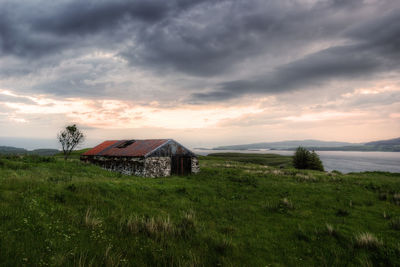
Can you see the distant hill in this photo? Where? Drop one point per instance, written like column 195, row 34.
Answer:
column 390, row 142
column 356, row 148
column 286, row 145
column 392, row 145
column 44, row 152
column 9, row 150
column 12, row 150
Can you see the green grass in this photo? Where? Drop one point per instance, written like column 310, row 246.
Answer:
column 262, row 159
column 57, row 213
column 75, row 154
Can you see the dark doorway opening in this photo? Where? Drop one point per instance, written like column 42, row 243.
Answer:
column 181, row 165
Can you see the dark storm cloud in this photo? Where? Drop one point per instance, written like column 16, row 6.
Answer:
column 311, row 71
column 16, row 37
column 88, row 17
column 42, row 28
column 210, row 39
column 197, row 37
column 381, row 35
column 377, row 49
column 215, row 38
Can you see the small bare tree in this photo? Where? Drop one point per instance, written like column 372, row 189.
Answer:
column 69, row 138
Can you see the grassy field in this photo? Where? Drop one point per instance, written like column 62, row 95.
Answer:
column 233, row 213
column 274, row 160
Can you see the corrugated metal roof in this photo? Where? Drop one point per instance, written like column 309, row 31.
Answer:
column 97, row 149
column 124, row 148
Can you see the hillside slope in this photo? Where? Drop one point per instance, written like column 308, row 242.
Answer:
column 392, row 145
column 285, row 145
column 56, row 213
column 10, row 150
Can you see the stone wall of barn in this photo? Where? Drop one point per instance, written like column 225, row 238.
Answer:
column 149, row 167
column 132, row 166
column 128, row 166
column 157, row 167
column 195, row 165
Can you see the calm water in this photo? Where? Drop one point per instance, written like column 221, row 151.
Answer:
column 344, row 161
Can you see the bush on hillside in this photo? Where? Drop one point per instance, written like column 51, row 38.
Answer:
column 304, row 159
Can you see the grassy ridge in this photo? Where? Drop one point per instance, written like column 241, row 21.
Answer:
column 75, row 154
column 262, row 159
column 56, row 213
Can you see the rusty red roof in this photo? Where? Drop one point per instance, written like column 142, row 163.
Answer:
column 97, row 149
column 126, row 148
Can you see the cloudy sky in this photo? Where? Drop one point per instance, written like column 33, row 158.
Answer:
column 202, row 72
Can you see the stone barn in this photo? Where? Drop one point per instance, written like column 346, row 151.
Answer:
column 148, row 158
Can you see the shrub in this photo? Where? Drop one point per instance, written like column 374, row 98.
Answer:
column 301, row 158
column 315, row 162
column 304, row 159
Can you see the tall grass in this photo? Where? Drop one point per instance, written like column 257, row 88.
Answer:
column 367, row 240
column 233, row 213
column 90, row 220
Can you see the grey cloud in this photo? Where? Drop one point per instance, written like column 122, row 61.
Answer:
column 365, row 58
column 368, row 101
column 16, row 99
column 84, row 85
column 88, row 17
column 17, row 39
column 213, row 39
column 216, row 38
column 44, row 27
column 378, row 101
column 381, row 34
column 347, row 3
column 310, row 72
column 201, row 38
column 209, row 39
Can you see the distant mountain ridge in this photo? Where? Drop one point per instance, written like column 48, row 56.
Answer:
column 286, row 145
column 391, row 142
column 392, row 145
column 10, row 150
